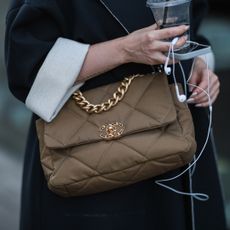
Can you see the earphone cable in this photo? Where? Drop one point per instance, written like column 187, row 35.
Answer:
column 198, row 196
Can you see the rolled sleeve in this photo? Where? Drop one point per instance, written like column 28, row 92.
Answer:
column 55, row 80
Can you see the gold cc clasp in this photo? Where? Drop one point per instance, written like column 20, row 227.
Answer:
column 111, row 131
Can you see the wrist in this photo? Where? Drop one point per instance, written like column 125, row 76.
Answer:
column 122, row 50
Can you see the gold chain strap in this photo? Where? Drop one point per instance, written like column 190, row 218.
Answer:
column 105, row 106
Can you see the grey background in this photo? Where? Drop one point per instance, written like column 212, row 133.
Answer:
column 15, row 118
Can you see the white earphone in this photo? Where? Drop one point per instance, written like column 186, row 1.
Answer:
column 191, row 167
column 180, row 97
column 168, row 70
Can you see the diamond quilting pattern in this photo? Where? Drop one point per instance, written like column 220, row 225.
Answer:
column 77, row 161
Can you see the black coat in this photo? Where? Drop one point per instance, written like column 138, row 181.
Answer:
column 32, row 28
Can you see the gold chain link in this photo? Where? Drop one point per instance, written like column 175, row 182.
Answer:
column 105, row 106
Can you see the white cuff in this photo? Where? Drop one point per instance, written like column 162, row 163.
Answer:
column 210, row 58
column 54, row 83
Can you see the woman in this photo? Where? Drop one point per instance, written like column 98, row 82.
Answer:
column 52, row 37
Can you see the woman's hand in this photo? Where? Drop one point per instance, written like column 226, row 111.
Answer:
column 200, row 79
column 147, row 45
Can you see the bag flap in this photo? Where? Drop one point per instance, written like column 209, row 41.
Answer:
column 148, row 104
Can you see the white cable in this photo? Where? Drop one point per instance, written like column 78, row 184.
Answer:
column 167, row 69
column 173, row 58
column 192, row 200
column 181, row 97
column 184, row 79
column 198, row 196
column 209, row 102
column 194, row 166
column 192, row 68
column 186, row 93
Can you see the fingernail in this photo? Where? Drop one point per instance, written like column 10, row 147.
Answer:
column 198, row 105
column 190, row 100
column 187, row 27
column 191, row 89
column 185, row 37
column 194, row 94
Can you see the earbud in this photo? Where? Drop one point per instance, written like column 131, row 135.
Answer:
column 167, row 69
column 180, row 97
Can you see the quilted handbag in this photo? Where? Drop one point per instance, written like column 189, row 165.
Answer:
column 98, row 142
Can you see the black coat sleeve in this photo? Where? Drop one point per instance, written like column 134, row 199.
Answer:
column 31, row 31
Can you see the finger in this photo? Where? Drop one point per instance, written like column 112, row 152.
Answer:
column 206, row 104
column 181, row 42
column 158, row 58
column 200, row 83
column 210, row 86
column 199, row 91
column 205, row 100
column 161, row 46
column 214, row 93
column 196, row 88
column 203, row 96
column 207, row 77
column 193, row 82
column 170, row 32
column 165, row 46
column 215, row 96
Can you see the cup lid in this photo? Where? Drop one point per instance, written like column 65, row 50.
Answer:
column 164, row 3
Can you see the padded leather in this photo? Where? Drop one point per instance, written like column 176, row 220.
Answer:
column 158, row 137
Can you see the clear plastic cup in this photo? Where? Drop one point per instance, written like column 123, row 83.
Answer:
column 169, row 13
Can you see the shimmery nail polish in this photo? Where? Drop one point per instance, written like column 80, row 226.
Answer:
column 198, row 105
column 194, row 94
column 190, row 100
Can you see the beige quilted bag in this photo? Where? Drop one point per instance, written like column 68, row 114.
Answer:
column 141, row 132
